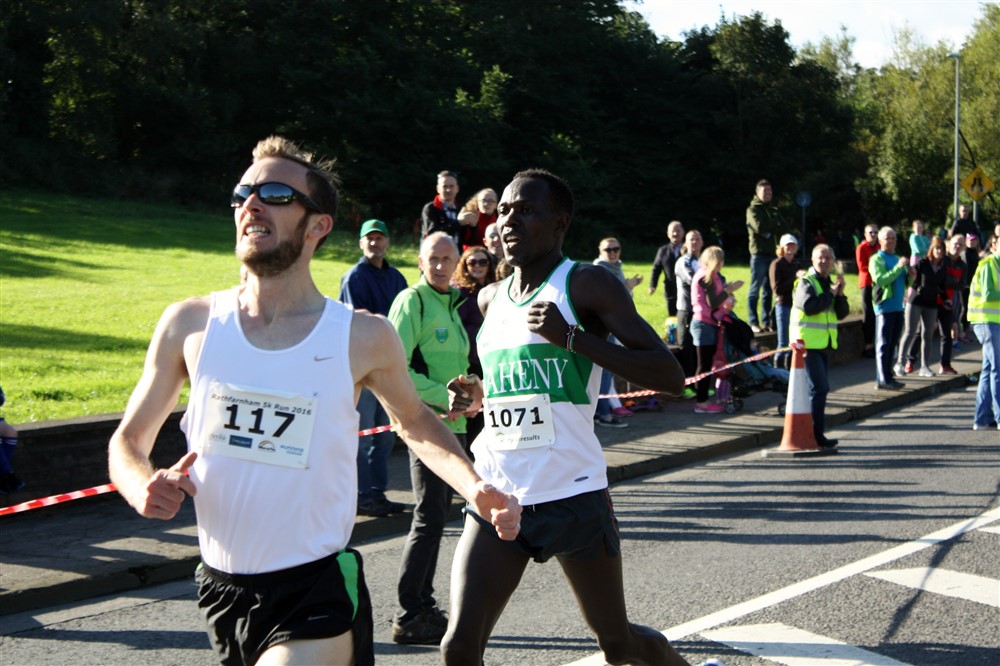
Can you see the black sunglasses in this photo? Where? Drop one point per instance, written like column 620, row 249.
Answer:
column 612, row 249
column 477, row 262
column 273, row 194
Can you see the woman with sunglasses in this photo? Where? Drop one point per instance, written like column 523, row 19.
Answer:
column 609, row 410
column 927, row 298
column 474, row 271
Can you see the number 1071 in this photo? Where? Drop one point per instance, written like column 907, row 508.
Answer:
column 513, row 417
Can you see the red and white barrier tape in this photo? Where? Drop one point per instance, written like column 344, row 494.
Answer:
column 694, row 380
column 730, row 366
column 57, row 499
column 110, row 487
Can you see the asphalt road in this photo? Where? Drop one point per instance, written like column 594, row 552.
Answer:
column 891, row 548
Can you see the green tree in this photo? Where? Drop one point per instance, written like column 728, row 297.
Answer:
column 772, row 115
column 908, row 128
column 162, row 99
column 981, row 99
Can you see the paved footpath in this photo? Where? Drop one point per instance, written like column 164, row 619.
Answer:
column 96, row 546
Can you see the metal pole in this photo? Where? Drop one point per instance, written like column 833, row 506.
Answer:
column 803, row 242
column 957, row 58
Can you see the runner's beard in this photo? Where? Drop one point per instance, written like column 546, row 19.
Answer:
column 268, row 263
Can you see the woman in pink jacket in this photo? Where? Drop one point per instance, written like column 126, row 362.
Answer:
column 711, row 300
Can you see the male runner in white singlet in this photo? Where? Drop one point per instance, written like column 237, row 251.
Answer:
column 545, row 334
column 275, row 370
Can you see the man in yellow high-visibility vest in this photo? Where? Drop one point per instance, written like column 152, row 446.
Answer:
column 984, row 315
column 818, row 302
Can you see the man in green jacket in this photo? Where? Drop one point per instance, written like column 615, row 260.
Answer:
column 763, row 227
column 437, row 350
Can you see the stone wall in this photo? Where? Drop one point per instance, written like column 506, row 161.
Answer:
column 55, row 457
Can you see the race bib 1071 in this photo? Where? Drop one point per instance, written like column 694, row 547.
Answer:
column 519, row 422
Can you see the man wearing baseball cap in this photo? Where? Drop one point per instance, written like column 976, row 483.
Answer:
column 372, row 284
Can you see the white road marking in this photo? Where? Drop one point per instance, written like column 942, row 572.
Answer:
column 946, row 582
column 732, row 613
column 795, row 647
column 995, row 529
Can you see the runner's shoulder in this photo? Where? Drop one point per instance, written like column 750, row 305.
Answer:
column 487, row 294
column 187, row 316
column 370, row 331
column 592, row 284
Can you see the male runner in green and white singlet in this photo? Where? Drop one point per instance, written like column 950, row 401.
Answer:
column 542, row 342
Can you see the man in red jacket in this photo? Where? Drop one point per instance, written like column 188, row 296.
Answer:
column 864, row 251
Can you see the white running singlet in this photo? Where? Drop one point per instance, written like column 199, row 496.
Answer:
column 276, row 433
column 538, row 442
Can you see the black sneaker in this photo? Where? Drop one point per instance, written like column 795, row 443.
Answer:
column 396, row 507
column 437, row 617
column 10, row 483
column 374, row 509
column 891, row 386
column 422, row 629
column 611, row 422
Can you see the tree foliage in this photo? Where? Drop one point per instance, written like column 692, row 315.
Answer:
column 164, row 99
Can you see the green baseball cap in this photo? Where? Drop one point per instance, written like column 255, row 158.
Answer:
column 373, row 225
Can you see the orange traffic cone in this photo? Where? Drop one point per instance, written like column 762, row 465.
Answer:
column 798, row 439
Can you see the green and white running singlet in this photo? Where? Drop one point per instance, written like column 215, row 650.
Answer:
column 538, row 442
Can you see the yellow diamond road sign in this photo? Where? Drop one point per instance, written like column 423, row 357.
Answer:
column 977, row 184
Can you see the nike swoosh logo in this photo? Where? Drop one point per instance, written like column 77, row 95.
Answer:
column 321, row 358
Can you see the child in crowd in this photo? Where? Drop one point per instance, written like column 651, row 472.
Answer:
column 9, row 482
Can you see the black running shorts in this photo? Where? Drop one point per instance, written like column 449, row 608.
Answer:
column 249, row 613
column 582, row 527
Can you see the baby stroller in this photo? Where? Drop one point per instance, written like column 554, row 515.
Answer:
column 735, row 344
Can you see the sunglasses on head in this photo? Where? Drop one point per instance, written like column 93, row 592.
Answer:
column 273, row 194
column 477, row 262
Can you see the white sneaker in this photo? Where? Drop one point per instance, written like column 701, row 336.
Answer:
column 926, row 372
column 899, row 370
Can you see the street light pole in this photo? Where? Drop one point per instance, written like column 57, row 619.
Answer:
column 957, row 58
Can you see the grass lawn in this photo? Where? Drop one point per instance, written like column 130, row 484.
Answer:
column 83, row 283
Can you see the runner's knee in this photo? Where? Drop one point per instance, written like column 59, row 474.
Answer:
column 460, row 650
column 641, row 645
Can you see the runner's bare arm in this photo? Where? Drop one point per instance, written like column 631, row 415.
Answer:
column 604, row 306
column 378, row 363
column 486, row 295
column 157, row 493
